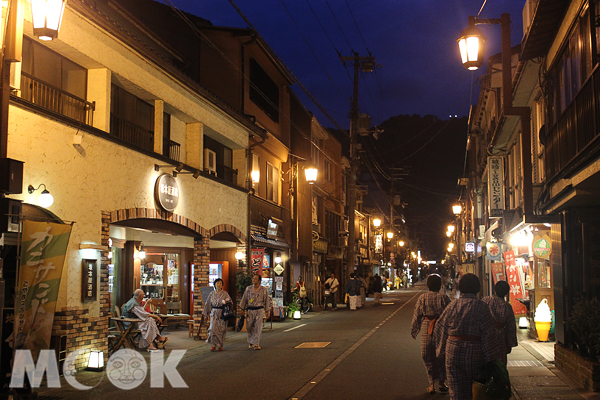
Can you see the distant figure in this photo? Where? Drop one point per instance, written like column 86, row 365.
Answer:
column 352, row 291
column 332, row 285
column 302, row 294
column 377, row 289
column 465, row 334
column 397, row 282
column 258, row 302
column 362, row 291
column 404, row 280
column 384, row 283
column 428, row 309
column 504, row 317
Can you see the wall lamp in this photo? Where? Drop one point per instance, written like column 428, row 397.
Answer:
column 47, row 17
column 377, row 222
column 255, row 175
column 45, row 200
column 311, row 173
column 457, row 209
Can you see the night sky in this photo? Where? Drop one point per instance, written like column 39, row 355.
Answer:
column 421, row 74
column 414, row 41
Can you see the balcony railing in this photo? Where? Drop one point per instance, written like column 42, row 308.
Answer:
column 131, row 133
column 172, row 149
column 57, row 100
column 228, row 174
column 576, row 129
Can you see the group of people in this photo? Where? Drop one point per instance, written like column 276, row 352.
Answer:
column 255, row 299
column 458, row 337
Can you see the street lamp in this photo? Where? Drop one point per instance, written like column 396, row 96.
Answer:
column 377, row 222
column 457, row 209
column 401, row 243
column 47, row 17
column 471, row 44
column 451, row 228
column 390, row 235
column 311, row 174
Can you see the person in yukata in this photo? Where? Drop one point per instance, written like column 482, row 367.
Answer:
column 258, row 302
column 465, row 335
column 352, row 289
column 362, row 288
column 214, row 308
column 148, row 328
column 504, row 317
column 428, row 309
column 377, row 289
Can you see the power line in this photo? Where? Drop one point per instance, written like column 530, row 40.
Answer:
column 358, row 28
column 339, row 26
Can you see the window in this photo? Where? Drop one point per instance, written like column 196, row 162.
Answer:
column 332, row 228
column 327, row 171
column 131, row 118
column 224, row 158
column 54, row 82
column 264, row 92
column 272, row 183
column 171, row 149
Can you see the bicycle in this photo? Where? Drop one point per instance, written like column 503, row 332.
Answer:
column 305, row 306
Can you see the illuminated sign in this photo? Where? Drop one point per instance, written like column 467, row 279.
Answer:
column 166, row 192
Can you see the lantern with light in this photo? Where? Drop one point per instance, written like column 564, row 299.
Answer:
column 448, row 233
column 377, row 222
column 401, row 243
column 297, row 314
column 47, row 18
column 311, row 174
column 239, row 255
column 390, row 235
column 278, row 258
column 451, row 228
column 255, row 175
column 457, row 209
column 471, row 44
column 96, row 361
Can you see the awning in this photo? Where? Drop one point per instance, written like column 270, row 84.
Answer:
column 261, row 240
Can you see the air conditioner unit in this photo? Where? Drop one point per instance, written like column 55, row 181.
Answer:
column 15, row 76
column 210, row 162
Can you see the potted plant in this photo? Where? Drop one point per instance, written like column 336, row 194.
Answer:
column 291, row 308
column 585, row 323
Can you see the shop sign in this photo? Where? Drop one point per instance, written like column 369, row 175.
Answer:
column 470, row 247
column 272, row 228
column 166, row 192
column 89, row 280
column 493, row 251
column 379, row 243
column 256, row 257
column 496, row 186
column 514, row 280
column 498, row 272
column 278, row 270
column 542, row 247
column 315, row 236
column 320, row 246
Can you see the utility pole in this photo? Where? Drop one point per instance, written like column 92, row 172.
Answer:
column 366, row 64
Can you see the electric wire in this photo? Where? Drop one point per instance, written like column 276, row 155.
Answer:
column 481, row 9
column 339, row 26
column 322, row 27
column 358, row 28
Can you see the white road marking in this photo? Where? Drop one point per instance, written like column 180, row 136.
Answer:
column 296, row 327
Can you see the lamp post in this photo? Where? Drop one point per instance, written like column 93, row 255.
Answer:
column 471, row 45
column 457, row 210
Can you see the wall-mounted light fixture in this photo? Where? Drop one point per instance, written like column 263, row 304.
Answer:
column 239, row 255
column 451, row 228
column 45, row 200
column 311, row 174
column 401, row 243
column 255, row 175
column 141, row 252
column 457, row 209
column 278, row 258
column 377, row 222
column 47, row 17
column 390, row 235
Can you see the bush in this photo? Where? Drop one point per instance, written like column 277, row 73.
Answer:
column 242, row 281
column 585, row 323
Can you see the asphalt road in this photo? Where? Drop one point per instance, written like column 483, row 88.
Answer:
column 369, row 355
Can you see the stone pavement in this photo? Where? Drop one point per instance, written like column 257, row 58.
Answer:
column 534, row 376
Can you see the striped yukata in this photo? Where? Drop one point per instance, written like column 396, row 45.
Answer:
column 214, row 308
column 506, row 327
column 259, row 303
column 428, row 308
column 471, row 320
column 149, row 330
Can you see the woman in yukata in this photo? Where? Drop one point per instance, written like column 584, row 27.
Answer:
column 214, row 308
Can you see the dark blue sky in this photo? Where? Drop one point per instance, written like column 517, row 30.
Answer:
column 413, row 40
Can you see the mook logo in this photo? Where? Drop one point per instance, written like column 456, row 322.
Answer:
column 126, row 369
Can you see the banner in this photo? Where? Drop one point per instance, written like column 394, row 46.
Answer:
column 493, row 251
column 495, row 186
column 514, row 280
column 256, row 257
column 43, row 250
column 498, row 272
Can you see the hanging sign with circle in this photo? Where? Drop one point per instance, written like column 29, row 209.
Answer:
column 166, row 192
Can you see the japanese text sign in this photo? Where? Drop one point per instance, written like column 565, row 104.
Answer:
column 495, row 186
column 514, row 280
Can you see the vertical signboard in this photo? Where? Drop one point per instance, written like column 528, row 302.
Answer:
column 43, row 250
column 257, row 261
column 495, row 186
column 497, row 272
column 514, row 280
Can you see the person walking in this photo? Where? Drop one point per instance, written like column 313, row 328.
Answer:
column 362, row 290
column 465, row 336
column 258, row 302
column 352, row 291
column 428, row 309
column 504, row 317
column 302, row 294
column 384, row 283
column 216, row 302
column 332, row 285
column 377, row 289
column 404, row 280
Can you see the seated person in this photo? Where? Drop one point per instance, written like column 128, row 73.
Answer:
column 148, row 328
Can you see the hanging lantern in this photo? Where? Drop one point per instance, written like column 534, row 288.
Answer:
column 47, row 17
column 471, row 44
column 311, row 174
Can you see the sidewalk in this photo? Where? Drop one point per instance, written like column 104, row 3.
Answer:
column 534, row 376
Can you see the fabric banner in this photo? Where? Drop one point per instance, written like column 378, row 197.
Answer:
column 498, row 272
column 256, row 256
column 43, row 250
column 514, row 280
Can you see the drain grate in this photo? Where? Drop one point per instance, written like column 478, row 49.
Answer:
column 535, row 363
column 313, row 345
